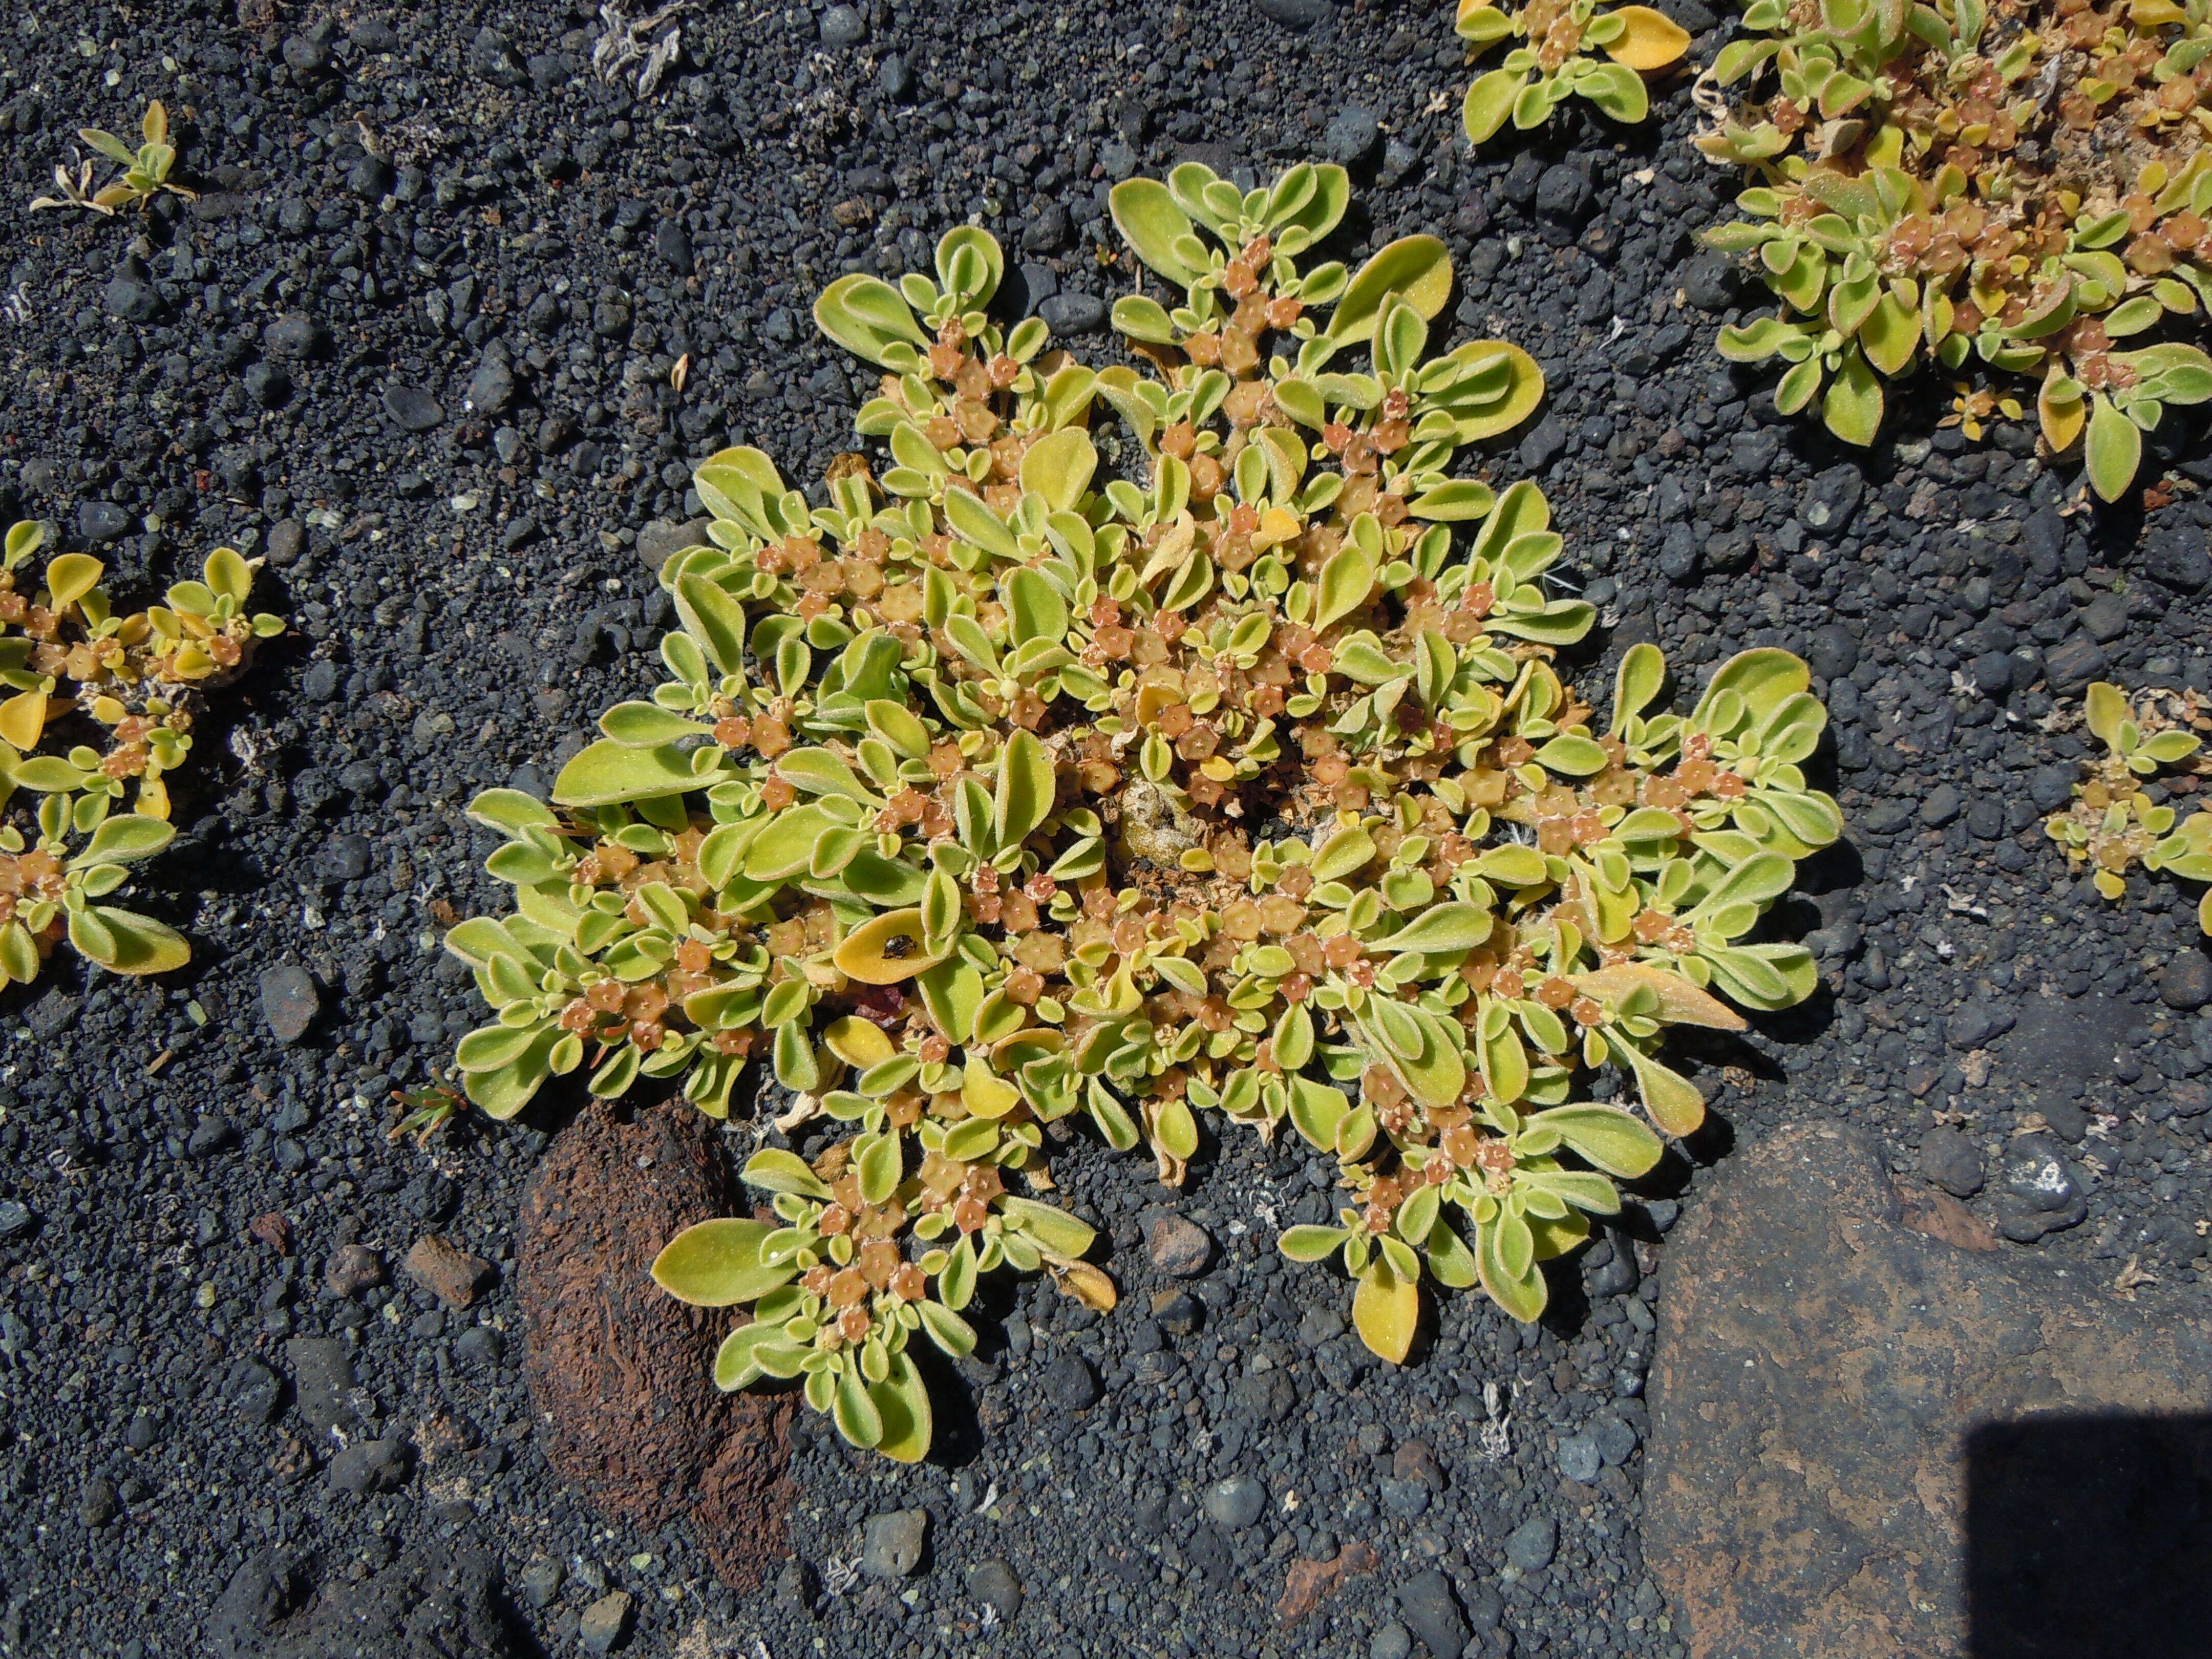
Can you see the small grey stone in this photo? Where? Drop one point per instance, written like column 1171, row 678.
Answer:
column 210, row 1135
column 1048, row 230
column 1430, row 1608
column 2187, row 982
column 1407, row 1499
column 1711, row 282
column 660, row 538
column 289, row 1001
column 892, row 1546
column 352, row 1269
column 1941, row 805
column 1833, row 500
column 295, row 335
column 2105, row 618
column 2072, row 664
column 673, row 247
column 605, row 1623
column 1620, row 1274
column 2051, row 787
column 256, row 1392
column 992, row 1584
column 1399, row 159
column 372, row 1465
column 843, row 26
column 1578, row 1458
column 1950, row 1160
column 1544, row 443
column 287, row 539
column 1976, row 1024
column 17, row 1218
column 1392, row 1641
column 1992, row 673
column 1154, row 1368
column 1529, row 1545
column 1832, row 651
column 795, row 1587
column 131, row 296
column 1178, row 1247
column 2034, row 1171
column 1319, row 1325
column 1235, row 1503
column 411, row 408
column 2069, row 1119
column 1563, row 193
column 322, row 1371
column 102, row 521
column 541, row 1581
column 321, row 682
column 1070, row 1384
column 893, row 76
column 1177, row 1312
column 1616, row 1439
column 491, row 388
column 1073, row 313
column 268, row 385
column 480, row 1346
column 2174, row 554
column 372, row 178
column 96, row 1505
column 1350, row 136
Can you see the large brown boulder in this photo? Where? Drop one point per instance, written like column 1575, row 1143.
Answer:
column 620, row 1373
column 1869, row 1442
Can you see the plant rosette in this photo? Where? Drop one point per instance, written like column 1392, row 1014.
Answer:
column 72, row 668
column 1936, row 190
column 1570, row 49
column 1166, row 749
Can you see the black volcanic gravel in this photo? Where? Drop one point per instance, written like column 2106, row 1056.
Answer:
column 414, row 340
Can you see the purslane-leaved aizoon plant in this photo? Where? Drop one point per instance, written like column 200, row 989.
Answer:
column 75, row 670
column 2011, row 194
column 1168, row 748
column 1566, row 49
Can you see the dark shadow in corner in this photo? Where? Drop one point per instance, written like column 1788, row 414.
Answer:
column 2089, row 1535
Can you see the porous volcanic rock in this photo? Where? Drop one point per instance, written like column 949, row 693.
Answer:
column 619, row 1372
column 1867, row 1440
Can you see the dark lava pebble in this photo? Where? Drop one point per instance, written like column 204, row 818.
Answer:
column 416, row 341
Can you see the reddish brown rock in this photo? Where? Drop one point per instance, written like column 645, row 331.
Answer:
column 1866, row 1439
column 447, row 1272
column 620, row 1373
column 1307, row 1584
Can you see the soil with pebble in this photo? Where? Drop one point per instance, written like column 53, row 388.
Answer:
column 415, row 343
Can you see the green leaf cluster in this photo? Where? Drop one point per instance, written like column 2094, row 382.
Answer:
column 145, row 173
column 945, row 807
column 1570, row 49
column 73, row 671
column 1905, row 222
column 2112, row 824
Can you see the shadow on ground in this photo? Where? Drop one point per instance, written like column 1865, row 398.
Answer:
column 2089, row 1534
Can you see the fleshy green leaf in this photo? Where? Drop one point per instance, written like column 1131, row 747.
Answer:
column 717, row 1263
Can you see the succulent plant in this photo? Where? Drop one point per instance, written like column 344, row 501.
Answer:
column 71, row 666
column 145, row 170
column 1162, row 749
column 2112, row 824
column 1569, row 48
column 2022, row 193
